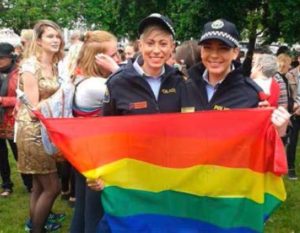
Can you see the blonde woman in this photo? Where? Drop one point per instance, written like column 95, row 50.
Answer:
column 97, row 59
column 38, row 80
column 26, row 37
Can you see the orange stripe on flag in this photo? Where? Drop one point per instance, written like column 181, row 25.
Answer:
column 173, row 140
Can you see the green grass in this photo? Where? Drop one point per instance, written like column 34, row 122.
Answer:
column 287, row 218
column 14, row 210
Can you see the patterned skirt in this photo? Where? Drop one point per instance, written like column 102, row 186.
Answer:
column 32, row 159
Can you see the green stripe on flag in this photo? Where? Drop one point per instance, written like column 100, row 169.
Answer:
column 223, row 212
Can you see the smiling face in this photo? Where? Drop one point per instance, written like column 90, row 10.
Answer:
column 156, row 46
column 50, row 40
column 217, row 58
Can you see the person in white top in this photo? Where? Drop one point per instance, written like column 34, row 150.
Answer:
column 97, row 59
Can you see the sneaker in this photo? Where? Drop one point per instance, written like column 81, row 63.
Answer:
column 292, row 174
column 56, row 218
column 6, row 192
column 28, row 225
column 52, row 226
column 49, row 227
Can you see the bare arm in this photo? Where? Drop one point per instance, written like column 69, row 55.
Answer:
column 31, row 89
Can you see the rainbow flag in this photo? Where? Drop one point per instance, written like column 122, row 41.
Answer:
column 215, row 171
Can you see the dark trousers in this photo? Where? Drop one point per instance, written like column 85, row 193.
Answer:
column 67, row 176
column 5, row 168
column 88, row 207
column 292, row 142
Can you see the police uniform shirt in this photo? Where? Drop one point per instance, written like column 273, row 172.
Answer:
column 154, row 82
column 234, row 91
column 129, row 93
column 211, row 89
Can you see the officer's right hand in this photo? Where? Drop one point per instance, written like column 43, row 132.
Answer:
column 95, row 184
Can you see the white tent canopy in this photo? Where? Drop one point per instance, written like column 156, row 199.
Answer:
column 9, row 36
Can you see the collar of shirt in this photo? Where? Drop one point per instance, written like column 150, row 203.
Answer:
column 205, row 78
column 137, row 66
column 154, row 82
column 211, row 89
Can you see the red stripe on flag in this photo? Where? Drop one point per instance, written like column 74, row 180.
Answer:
column 233, row 138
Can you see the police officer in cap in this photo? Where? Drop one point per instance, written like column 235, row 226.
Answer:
column 147, row 85
column 218, row 82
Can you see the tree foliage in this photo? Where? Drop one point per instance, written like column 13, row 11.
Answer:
column 273, row 19
column 19, row 14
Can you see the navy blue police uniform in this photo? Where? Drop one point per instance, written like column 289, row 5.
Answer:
column 128, row 93
column 235, row 91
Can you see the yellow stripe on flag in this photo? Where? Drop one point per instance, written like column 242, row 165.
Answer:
column 202, row 180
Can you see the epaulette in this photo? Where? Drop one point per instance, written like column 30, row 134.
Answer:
column 114, row 74
column 182, row 75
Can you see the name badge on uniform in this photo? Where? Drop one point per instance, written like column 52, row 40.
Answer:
column 218, row 107
column 187, row 109
column 138, row 105
column 168, row 91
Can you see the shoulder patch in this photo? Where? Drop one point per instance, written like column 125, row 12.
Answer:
column 106, row 98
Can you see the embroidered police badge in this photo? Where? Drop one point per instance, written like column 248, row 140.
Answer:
column 217, row 24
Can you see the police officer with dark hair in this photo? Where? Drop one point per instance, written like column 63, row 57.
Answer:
column 147, row 85
column 218, row 82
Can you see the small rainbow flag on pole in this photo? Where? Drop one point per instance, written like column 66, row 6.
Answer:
column 205, row 172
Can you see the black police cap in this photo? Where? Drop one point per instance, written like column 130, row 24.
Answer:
column 221, row 29
column 156, row 19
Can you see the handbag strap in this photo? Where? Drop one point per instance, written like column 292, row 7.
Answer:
column 76, row 85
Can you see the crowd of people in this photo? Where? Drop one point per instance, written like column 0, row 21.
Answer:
column 200, row 75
